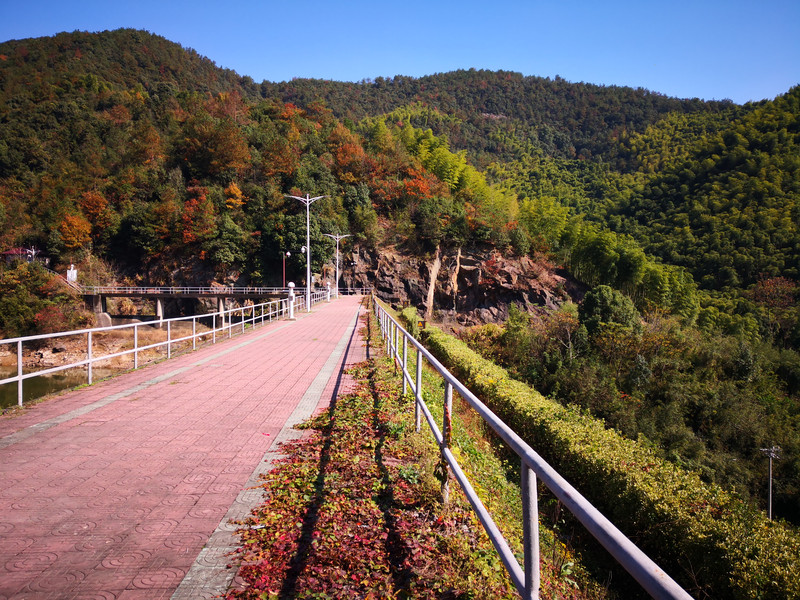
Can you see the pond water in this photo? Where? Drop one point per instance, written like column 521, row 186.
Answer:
column 36, row 387
column 103, row 344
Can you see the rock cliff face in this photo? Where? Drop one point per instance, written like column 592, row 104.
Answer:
column 470, row 287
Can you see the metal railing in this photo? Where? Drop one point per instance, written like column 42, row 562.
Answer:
column 62, row 279
column 353, row 291
column 99, row 290
column 525, row 578
column 223, row 323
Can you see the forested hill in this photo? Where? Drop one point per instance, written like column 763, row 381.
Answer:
column 487, row 113
column 726, row 205
column 125, row 147
column 711, row 186
column 35, row 70
column 490, row 114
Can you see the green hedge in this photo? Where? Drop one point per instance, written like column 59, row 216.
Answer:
column 697, row 532
column 409, row 319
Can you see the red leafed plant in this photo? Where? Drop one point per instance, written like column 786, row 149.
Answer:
column 348, row 515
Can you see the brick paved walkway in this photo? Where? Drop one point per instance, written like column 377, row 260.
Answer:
column 124, row 489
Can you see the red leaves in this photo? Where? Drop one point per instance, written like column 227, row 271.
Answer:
column 340, row 520
column 50, row 319
column 422, row 184
column 325, row 518
column 774, row 292
column 198, row 215
column 290, row 111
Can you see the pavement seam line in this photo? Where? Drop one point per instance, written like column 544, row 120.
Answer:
column 210, row 576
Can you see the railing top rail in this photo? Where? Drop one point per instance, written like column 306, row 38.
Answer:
column 206, row 291
column 649, row 575
column 57, row 334
column 111, row 289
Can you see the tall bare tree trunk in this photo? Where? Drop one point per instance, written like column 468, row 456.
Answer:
column 454, row 280
column 437, row 263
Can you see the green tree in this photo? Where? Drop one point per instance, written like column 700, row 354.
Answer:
column 605, row 305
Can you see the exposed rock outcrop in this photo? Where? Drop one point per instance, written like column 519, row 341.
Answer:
column 471, row 286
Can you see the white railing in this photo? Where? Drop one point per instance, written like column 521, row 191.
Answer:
column 649, row 575
column 224, row 323
column 354, row 291
column 99, row 290
column 109, row 290
column 62, row 279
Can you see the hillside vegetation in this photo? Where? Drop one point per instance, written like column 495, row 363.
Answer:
column 125, row 148
column 710, row 541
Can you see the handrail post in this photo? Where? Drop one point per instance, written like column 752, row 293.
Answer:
column 405, row 351
column 290, row 301
column 194, row 333
column 169, row 339
column 384, row 333
column 136, row 346
column 392, row 338
column 89, row 351
column 447, row 434
column 395, row 344
column 418, row 393
column 19, row 372
column 530, row 529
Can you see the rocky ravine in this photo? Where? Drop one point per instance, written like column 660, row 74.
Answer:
column 471, row 287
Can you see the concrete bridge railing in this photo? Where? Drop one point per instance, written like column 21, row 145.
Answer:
column 96, row 296
column 197, row 291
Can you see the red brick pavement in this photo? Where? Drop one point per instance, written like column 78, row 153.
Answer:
column 112, row 491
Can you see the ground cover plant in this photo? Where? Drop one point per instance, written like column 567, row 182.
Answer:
column 354, row 511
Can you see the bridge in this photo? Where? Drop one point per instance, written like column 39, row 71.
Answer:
column 95, row 296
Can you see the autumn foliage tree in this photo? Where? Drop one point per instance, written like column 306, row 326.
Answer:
column 198, row 216
column 76, row 231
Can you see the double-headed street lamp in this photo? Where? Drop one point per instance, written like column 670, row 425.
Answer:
column 308, row 202
column 337, row 237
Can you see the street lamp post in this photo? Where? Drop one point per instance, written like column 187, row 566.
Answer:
column 284, row 255
column 308, row 202
column 337, row 238
column 773, row 453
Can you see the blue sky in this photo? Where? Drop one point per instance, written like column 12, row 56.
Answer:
column 710, row 49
